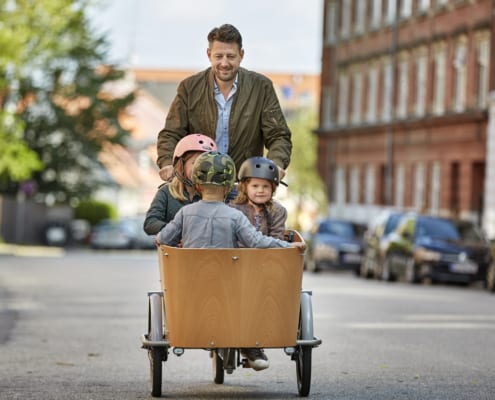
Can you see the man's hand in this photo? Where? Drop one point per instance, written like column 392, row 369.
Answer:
column 166, row 172
column 281, row 173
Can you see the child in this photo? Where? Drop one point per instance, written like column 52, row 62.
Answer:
column 258, row 180
column 180, row 191
column 212, row 223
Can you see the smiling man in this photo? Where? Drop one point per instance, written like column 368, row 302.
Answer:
column 236, row 107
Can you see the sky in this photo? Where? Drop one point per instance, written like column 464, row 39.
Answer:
column 278, row 35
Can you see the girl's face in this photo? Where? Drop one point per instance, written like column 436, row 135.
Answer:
column 189, row 163
column 259, row 191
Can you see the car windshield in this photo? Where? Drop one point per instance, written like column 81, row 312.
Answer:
column 437, row 229
column 470, row 232
column 392, row 222
column 338, row 228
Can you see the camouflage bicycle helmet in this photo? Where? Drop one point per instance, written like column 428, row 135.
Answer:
column 259, row 167
column 193, row 142
column 214, row 168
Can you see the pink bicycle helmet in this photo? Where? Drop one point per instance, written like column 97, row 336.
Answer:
column 193, row 142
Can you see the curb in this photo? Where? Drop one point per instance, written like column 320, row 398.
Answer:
column 30, row 251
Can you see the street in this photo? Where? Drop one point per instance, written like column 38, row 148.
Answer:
column 70, row 328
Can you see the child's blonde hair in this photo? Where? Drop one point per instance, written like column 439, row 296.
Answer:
column 177, row 187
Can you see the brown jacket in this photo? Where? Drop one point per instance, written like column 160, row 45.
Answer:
column 256, row 119
column 271, row 222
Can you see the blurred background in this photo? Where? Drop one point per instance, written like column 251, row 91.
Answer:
column 388, row 102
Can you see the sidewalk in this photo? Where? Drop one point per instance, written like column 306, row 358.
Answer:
column 18, row 250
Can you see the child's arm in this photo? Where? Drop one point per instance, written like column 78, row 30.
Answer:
column 248, row 236
column 156, row 214
column 299, row 245
column 171, row 234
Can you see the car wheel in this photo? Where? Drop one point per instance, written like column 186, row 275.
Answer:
column 312, row 265
column 411, row 273
column 377, row 271
column 387, row 274
column 364, row 270
column 490, row 278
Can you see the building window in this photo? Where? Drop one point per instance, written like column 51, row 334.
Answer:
column 403, row 89
column 419, row 186
column 331, row 22
column 421, row 76
column 406, row 9
column 439, row 79
column 370, row 185
column 423, row 6
column 435, row 188
column 388, row 89
column 483, row 59
column 376, row 13
column 372, row 93
column 391, row 11
column 326, row 107
column 345, row 28
column 343, row 98
column 357, row 97
column 354, row 185
column 400, row 176
column 340, row 187
column 442, row 3
column 460, row 75
column 360, row 16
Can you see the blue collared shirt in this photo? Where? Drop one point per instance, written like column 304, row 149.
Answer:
column 224, row 106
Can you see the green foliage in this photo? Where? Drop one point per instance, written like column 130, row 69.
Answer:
column 95, row 211
column 305, row 185
column 54, row 75
column 305, row 181
column 17, row 160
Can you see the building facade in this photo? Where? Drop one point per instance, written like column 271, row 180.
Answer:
column 406, row 111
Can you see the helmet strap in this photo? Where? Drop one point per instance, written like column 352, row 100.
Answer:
column 180, row 177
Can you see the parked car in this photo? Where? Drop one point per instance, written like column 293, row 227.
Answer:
column 376, row 240
column 126, row 233
column 335, row 243
column 490, row 278
column 436, row 249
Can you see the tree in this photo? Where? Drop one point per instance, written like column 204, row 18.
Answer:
column 13, row 149
column 305, row 185
column 56, row 75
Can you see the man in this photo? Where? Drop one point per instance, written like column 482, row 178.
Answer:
column 236, row 107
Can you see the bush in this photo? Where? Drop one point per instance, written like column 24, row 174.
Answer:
column 94, row 211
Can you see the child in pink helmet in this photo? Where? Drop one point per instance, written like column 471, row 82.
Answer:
column 179, row 191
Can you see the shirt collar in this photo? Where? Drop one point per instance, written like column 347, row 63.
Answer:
column 234, row 86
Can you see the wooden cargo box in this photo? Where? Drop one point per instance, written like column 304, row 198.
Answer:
column 217, row 298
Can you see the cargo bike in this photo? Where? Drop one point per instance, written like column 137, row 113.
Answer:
column 224, row 300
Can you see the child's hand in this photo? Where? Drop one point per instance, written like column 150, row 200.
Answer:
column 300, row 245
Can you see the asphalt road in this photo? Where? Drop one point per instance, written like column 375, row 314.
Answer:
column 70, row 327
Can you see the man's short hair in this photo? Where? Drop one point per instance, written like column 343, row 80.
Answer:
column 226, row 34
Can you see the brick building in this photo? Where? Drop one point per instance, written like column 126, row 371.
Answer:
column 405, row 112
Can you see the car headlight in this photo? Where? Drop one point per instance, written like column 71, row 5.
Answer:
column 422, row 254
column 350, row 247
column 326, row 251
